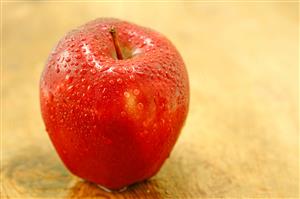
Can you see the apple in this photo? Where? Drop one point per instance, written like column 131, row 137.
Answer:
column 114, row 97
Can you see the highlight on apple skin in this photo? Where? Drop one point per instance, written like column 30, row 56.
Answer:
column 114, row 97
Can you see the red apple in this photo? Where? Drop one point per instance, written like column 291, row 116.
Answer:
column 114, row 97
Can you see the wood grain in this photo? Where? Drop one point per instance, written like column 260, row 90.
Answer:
column 241, row 138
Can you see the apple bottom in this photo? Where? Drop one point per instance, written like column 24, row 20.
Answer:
column 115, row 154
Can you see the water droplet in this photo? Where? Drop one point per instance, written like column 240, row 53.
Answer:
column 78, row 56
column 132, row 77
column 83, row 71
column 136, row 91
column 83, row 65
column 92, row 64
column 119, row 80
column 68, row 59
column 70, row 87
column 126, row 94
column 57, row 70
column 123, row 113
column 69, row 78
column 90, row 58
column 140, row 106
column 111, row 81
column 93, row 71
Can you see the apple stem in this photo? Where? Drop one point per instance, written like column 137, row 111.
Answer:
column 113, row 33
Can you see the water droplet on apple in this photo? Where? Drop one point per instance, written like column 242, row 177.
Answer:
column 91, row 64
column 70, row 88
column 75, row 63
column 131, row 77
column 96, row 53
column 119, row 80
column 123, row 113
column 136, row 91
column 90, row 58
column 140, row 106
column 82, row 71
column 126, row 94
column 69, row 78
column 78, row 56
column 93, row 71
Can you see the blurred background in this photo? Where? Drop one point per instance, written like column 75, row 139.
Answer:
column 241, row 137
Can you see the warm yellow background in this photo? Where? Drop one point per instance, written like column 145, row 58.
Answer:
column 241, row 135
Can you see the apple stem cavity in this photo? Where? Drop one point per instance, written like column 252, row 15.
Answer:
column 113, row 33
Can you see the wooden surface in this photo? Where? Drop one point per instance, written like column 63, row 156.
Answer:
column 241, row 136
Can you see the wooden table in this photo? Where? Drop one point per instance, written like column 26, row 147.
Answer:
column 241, row 136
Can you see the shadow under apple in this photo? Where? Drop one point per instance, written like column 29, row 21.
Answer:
column 36, row 172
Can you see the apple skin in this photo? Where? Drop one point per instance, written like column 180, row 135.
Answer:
column 114, row 122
